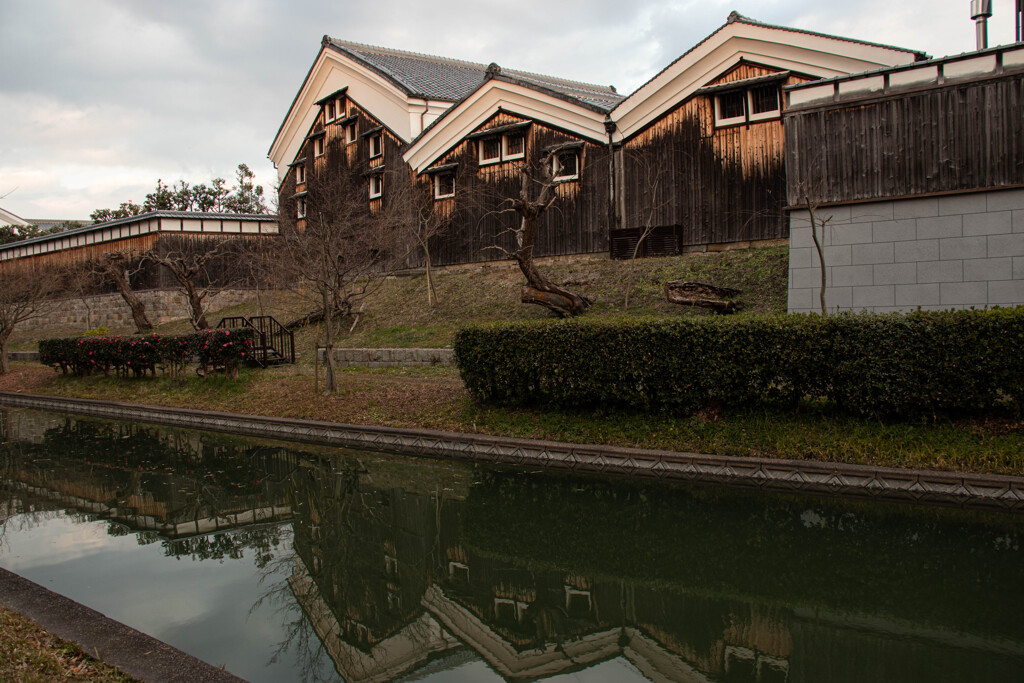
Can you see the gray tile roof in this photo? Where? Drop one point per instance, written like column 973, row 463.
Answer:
column 442, row 78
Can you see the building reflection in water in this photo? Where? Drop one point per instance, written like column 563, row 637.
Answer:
column 407, row 567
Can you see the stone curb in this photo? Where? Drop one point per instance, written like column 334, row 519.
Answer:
column 955, row 489
column 376, row 358
column 110, row 641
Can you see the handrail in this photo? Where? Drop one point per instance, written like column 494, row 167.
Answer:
column 274, row 337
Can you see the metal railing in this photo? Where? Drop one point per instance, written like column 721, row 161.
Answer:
column 275, row 343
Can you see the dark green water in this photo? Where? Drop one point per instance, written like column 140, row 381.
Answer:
column 294, row 563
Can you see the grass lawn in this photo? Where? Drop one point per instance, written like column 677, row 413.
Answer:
column 434, row 398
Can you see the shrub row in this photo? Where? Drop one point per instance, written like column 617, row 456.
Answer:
column 897, row 365
column 136, row 355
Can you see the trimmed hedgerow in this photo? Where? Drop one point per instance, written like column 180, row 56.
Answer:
column 901, row 365
column 139, row 355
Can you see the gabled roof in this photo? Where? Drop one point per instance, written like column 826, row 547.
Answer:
column 442, row 78
column 801, row 51
column 501, row 93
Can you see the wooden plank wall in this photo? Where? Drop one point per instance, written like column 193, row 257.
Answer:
column 576, row 224
column 945, row 138
column 719, row 185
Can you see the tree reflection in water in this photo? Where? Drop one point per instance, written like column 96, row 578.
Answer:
column 395, row 566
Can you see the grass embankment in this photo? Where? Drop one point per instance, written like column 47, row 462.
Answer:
column 29, row 653
column 433, row 397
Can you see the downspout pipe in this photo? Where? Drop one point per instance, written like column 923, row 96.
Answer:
column 609, row 127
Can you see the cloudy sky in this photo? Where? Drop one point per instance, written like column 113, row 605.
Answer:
column 99, row 99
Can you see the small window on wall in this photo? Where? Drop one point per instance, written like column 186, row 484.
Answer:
column 376, row 186
column 318, row 146
column 351, row 133
column 490, row 150
column 730, row 108
column 764, row 102
column 300, row 207
column 300, row 174
column 566, row 165
column 376, row 145
column 329, row 111
column 444, row 185
column 514, row 146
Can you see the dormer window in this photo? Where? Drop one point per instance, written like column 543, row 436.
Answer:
column 376, row 142
column 329, row 111
column 444, row 185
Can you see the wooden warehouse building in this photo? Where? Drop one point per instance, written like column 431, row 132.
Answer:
column 696, row 154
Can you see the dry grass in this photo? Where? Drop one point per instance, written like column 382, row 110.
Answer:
column 29, row 654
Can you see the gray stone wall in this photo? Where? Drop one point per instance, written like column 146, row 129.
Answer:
column 936, row 253
column 162, row 305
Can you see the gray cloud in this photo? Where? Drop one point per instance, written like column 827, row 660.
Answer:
column 99, row 99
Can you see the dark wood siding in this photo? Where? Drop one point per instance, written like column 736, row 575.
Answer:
column 710, row 185
column 943, row 139
column 478, row 228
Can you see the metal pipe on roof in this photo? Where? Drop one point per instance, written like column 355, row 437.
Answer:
column 981, row 10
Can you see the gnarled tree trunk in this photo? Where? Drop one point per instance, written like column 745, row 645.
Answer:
column 113, row 266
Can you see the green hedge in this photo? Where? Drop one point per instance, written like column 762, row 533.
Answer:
column 904, row 365
column 137, row 355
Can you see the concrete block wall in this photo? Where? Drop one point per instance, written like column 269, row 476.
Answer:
column 162, row 305
column 936, row 253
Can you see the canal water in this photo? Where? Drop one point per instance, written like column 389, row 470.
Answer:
column 288, row 562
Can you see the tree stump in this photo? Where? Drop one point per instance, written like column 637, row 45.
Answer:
column 703, row 295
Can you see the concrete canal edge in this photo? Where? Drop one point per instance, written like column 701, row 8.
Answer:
column 955, row 489
column 110, row 641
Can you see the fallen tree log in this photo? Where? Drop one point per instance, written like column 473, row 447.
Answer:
column 702, row 295
column 565, row 306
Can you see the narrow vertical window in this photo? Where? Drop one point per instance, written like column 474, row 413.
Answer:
column 376, row 145
column 376, row 186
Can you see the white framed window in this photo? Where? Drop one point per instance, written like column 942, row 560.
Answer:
column 490, row 150
column 300, row 207
column 318, row 146
column 566, row 165
column 497, row 148
column 731, row 108
column 351, row 133
column 513, row 146
column 764, row 102
column 742, row 106
column 329, row 111
column 376, row 142
column 376, row 186
column 300, row 174
column 444, row 185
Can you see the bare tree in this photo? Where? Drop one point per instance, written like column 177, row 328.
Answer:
column 343, row 250
column 189, row 267
column 117, row 267
column 816, row 222
column 26, row 292
column 430, row 222
column 654, row 177
column 538, row 191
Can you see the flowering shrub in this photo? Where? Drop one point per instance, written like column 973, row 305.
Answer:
column 138, row 355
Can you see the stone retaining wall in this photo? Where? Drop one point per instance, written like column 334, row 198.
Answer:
column 382, row 358
column 162, row 305
column 796, row 476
